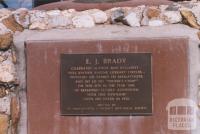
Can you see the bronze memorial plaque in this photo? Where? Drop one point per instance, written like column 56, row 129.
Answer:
column 106, row 84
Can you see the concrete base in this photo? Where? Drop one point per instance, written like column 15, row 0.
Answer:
column 107, row 32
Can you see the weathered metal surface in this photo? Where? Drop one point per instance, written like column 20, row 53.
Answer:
column 106, row 84
column 169, row 81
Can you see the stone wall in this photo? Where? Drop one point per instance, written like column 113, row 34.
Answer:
column 14, row 22
column 184, row 13
column 9, row 100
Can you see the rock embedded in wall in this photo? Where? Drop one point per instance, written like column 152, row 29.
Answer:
column 68, row 13
column 38, row 26
column 83, row 21
column 15, row 113
column 4, row 29
column 2, row 58
column 4, row 124
column 117, row 16
column 132, row 20
column 172, row 17
column 5, row 40
column 38, row 20
column 196, row 11
column 130, row 16
column 5, row 37
column 8, row 72
column 38, row 16
column 99, row 16
column 161, row 15
column 4, row 13
column 57, row 19
column 153, row 12
column 5, row 105
column 12, row 24
column 189, row 18
column 3, row 91
column 22, row 17
column 134, row 16
column 154, row 16
column 8, row 55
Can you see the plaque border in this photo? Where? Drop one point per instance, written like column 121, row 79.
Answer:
column 113, row 114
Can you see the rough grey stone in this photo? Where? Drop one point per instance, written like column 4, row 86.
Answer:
column 5, row 105
column 99, row 16
column 22, row 17
column 117, row 16
column 172, row 17
column 57, row 19
column 132, row 20
column 8, row 72
column 83, row 21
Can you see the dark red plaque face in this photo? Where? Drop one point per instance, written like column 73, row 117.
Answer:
column 169, row 83
column 106, row 84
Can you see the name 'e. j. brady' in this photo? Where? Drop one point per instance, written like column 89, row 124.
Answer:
column 97, row 61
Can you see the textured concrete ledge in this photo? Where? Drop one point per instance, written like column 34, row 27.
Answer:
column 111, row 31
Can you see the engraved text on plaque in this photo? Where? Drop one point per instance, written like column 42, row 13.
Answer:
column 106, row 84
